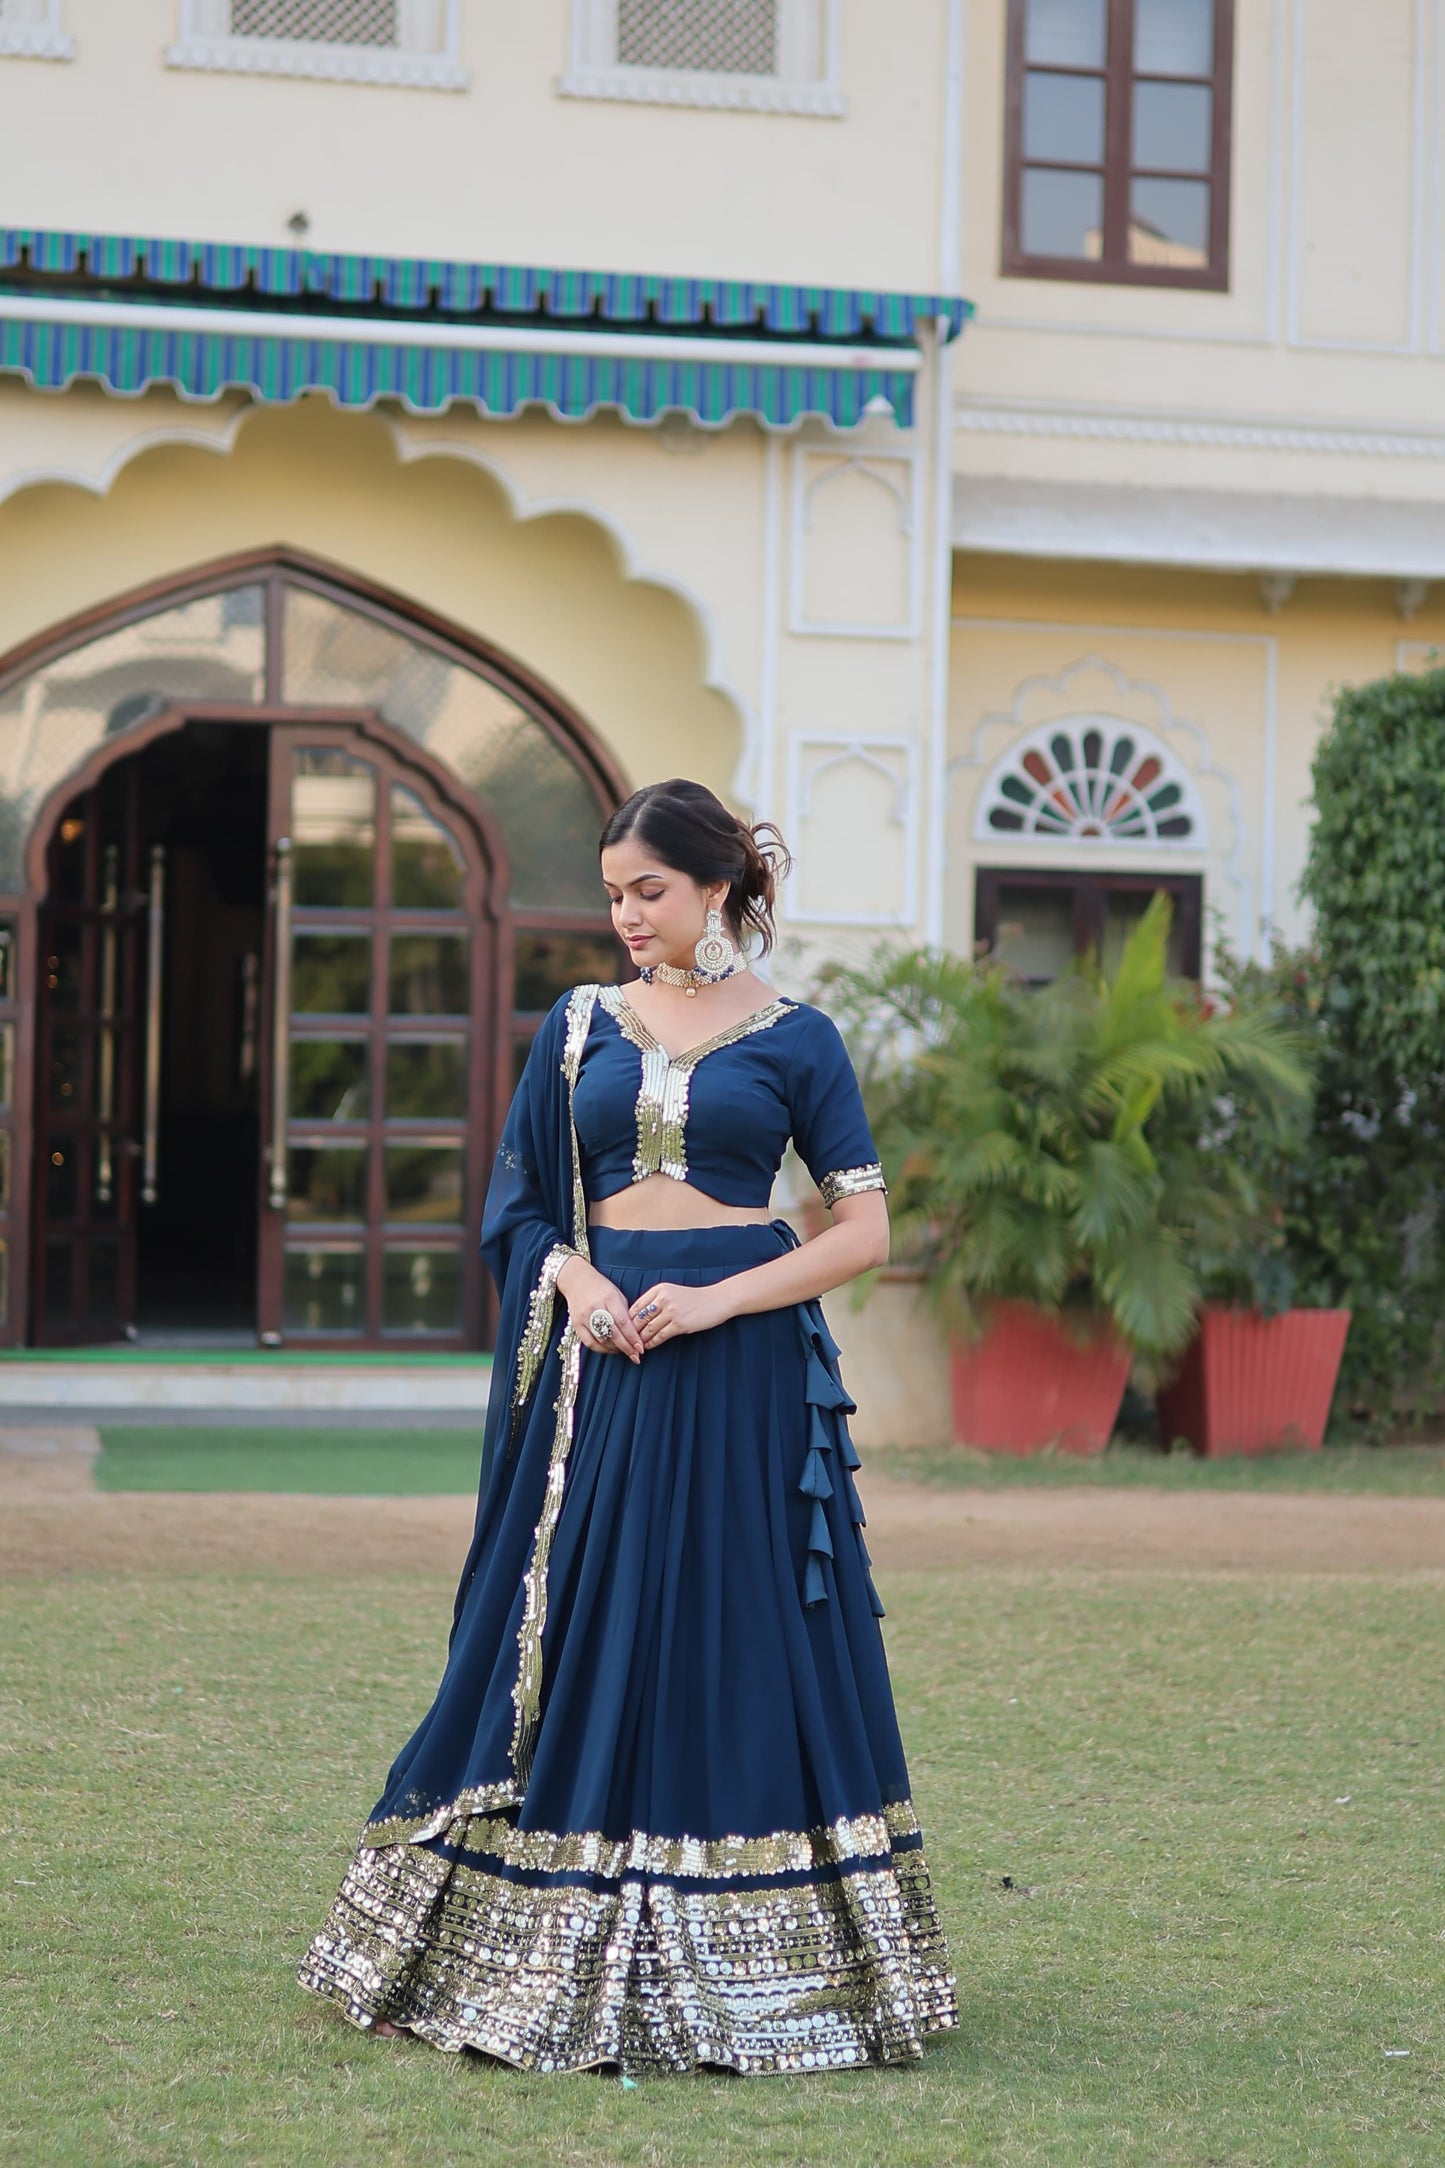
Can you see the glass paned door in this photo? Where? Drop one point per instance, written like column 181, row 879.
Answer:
column 381, row 975
column 94, row 1124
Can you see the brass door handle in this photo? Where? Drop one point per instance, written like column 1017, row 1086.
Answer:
column 281, row 1025
column 155, row 962
column 105, row 1097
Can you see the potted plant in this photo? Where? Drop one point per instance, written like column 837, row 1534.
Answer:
column 1017, row 1127
column 1259, row 1373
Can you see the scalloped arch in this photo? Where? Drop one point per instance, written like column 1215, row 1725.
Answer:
column 96, row 468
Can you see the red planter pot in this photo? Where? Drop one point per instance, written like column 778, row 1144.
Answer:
column 1253, row 1384
column 1032, row 1382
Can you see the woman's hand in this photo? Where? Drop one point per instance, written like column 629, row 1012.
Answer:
column 666, row 1311
column 583, row 1289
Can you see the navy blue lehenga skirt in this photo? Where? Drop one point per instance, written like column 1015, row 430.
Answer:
column 712, row 1857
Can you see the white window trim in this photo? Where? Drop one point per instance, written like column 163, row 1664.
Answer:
column 596, row 72
column 200, row 47
column 44, row 40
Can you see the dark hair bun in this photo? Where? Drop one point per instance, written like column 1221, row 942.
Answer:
column 692, row 831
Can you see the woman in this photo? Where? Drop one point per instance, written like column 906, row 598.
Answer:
column 658, row 1813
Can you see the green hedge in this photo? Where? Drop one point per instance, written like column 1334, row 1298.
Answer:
column 1365, row 1207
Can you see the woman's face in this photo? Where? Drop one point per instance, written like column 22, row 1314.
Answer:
column 657, row 911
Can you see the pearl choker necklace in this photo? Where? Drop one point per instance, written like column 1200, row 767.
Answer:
column 688, row 980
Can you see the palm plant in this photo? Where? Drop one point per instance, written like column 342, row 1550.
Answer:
column 1056, row 1145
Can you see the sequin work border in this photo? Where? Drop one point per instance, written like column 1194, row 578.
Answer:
column 537, row 1332
column 527, row 1688
column 472, row 1824
column 580, row 1003
column 662, row 1097
column 850, row 1182
column 482, row 1801
column 845, row 1970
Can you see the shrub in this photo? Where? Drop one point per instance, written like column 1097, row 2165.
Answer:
column 1053, row 1144
column 1364, row 1207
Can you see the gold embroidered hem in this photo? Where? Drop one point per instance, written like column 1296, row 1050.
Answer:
column 482, row 1801
column 846, row 1968
column 471, row 1824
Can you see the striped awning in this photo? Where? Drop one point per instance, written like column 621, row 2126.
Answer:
column 206, row 318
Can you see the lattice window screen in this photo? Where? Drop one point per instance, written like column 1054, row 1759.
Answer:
column 723, row 37
column 321, row 22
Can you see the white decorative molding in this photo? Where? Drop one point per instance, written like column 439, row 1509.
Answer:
column 894, row 759
column 681, row 86
column 1253, row 934
column 1091, row 778
column 32, row 31
column 806, row 82
column 428, row 60
column 815, row 470
column 1147, row 425
column 214, row 435
column 327, row 63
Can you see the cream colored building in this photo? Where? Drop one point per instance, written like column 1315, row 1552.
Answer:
column 354, row 555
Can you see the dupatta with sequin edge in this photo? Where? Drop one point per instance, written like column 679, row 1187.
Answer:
column 534, row 1219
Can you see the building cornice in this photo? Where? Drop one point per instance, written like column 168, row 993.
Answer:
column 1023, row 418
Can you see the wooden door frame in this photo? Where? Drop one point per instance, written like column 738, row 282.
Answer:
column 1091, row 887
column 488, row 1095
column 490, row 969
column 272, row 568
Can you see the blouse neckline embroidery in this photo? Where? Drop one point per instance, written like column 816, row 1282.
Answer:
column 662, row 1095
column 614, row 1000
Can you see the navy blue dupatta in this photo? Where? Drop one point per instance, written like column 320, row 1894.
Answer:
column 535, row 1218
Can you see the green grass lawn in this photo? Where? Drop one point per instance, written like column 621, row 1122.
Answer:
column 415, row 1463
column 1393, row 1470
column 1218, row 1802
column 350, row 1463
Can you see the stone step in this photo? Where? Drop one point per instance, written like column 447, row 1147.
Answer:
column 421, row 1387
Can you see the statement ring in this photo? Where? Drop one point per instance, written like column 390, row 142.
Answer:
column 600, row 1325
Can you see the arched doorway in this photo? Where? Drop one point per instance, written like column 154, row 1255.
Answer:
column 291, row 874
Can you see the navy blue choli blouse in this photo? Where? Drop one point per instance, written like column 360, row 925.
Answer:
column 720, row 1115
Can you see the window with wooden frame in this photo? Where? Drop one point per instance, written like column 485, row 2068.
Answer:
column 1039, row 922
column 1117, row 132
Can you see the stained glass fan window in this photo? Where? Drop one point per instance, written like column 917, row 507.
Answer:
column 1092, row 778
